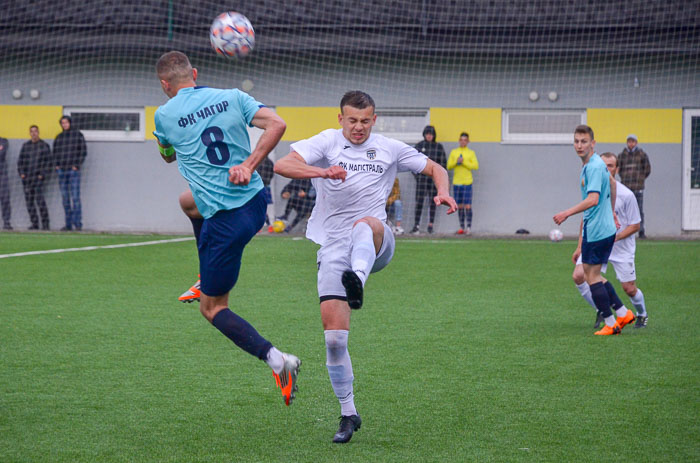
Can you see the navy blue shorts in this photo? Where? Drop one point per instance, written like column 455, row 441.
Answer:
column 221, row 244
column 597, row 252
column 463, row 194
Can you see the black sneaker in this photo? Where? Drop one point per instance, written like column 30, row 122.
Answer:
column 348, row 425
column 353, row 289
column 430, row 229
column 598, row 320
column 415, row 231
column 641, row 321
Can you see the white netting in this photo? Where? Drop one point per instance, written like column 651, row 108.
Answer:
column 415, row 57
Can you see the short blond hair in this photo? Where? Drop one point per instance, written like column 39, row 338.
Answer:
column 174, row 67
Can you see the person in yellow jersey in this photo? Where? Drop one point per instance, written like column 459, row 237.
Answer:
column 463, row 160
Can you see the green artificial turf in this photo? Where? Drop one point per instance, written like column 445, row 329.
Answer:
column 465, row 350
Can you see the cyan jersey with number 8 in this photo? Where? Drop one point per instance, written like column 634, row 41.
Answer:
column 208, row 129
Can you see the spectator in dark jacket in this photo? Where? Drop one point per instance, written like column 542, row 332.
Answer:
column 70, row 152
column 301, row 197
column 424, row 184
column 34, row 165
column 4, row 186
column 634, row 168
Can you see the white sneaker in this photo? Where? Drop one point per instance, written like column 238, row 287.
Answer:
column 398, row 230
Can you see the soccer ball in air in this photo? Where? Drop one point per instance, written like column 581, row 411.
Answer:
column 556, row 235
column 278, row 226
column 232, row 35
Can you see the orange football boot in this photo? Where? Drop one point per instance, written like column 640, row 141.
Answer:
column 287, row 379
column 626, row 320
column 609, row 330
column 192, row 294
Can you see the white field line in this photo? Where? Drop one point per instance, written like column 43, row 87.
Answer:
column 94, row 248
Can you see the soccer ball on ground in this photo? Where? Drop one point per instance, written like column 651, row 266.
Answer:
column 556, row 235
column 232, row 35
column 278, row 226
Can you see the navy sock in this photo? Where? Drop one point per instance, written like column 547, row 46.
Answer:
column 601, row 299
column 469, row 217
column 242, row 333
column 615, row 301
column 197, row 228
column 462, row 217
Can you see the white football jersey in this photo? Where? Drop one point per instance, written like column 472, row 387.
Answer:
column 627, row 212
column 371, row 169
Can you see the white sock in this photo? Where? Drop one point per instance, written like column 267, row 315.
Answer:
column 363, row 254
column 275, row 360
column 610, row 321
column 639, row 304
column 585, row 291
column 340, row 369
column 621, row 312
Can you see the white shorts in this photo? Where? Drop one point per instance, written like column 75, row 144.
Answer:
column 624, row 269
column 334, row 258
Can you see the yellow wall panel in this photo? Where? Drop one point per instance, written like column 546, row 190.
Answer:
column 150, row 111
column 17, row 119
column 482, row 124
column 306, row 121
column 650, row 125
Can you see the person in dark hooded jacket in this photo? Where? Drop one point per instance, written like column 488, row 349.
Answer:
column 70, row 151
column 424, row 185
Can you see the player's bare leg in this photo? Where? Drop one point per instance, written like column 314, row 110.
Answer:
column 585, row 290
column 637, row 298
column 285, row 367
column 335, row 316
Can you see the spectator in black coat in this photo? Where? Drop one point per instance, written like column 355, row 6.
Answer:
column 301, row 197
column 4, row 186
column 70, row 151
column 424, row 184
column 34, row 165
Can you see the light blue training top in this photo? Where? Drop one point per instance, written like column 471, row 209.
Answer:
column 208, row 129
column 598, row 221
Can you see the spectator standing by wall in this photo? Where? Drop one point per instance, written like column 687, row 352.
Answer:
column 463, row 160
column 33, row 165
column 634, row 168
column 70, row 151
column 4, row 186
column 424, row 185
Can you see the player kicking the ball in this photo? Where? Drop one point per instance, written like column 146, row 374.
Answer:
column 205, row 131
column 598, row 230
column 622, row 255
column 353, row 172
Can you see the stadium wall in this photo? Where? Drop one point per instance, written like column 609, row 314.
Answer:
column 127, row 187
